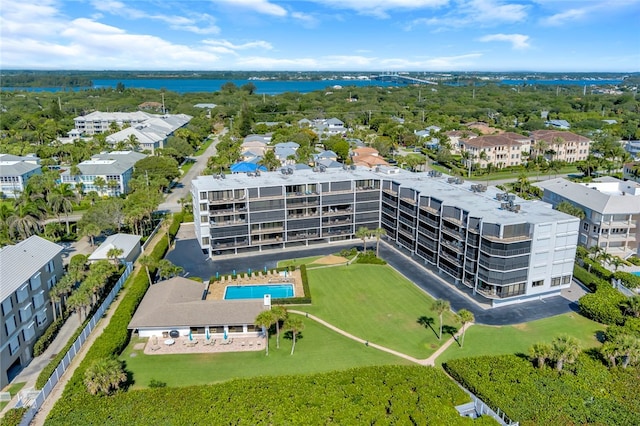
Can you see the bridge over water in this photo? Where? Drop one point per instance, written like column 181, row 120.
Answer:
column 403, row 79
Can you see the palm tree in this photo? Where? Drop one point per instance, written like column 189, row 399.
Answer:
column 104, row 376
column 378, row 233
column 541, row 352
column 114, row 254
column 631, row 306
column 362, row 233
column 60, row 200
column 629, row 347
column 148, row 262
column 79, row 301
column 264, row 320
column 24, row 220
column 440, row 306
column 269, row 160
column 100, row 184
column 564, row 349
column 610, row 351
column 91, row 230
column 616, row 262
column 279, row 314
column 295, row 325
column 464, row 317
column 166, row 269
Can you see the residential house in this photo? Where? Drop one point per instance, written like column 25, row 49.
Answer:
column 631, row 171
column 285, row 152
column 115, row 168
column 129, row 244
column 15, row 172
column 492, row 245
column 558, row 124
column 330, row 127
column 633, row 148
column 28, row 270
column 611, row 208
column 367, row 157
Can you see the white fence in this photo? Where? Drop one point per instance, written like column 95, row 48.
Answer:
column 71, row 353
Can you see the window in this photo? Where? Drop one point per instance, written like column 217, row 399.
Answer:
column 36, row 281
column 566, row 279
column 555, row 281
column 29, row 332
column 6, row 306
column 203, row 195
column 10, row 325
column 38, row 299
column 25, row 313
column 205, row 241
column 537, row 283
column 23, row 293
column 41, row 318
column 14, row 345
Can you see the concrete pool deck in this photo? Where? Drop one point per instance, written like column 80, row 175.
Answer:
column 217, row 288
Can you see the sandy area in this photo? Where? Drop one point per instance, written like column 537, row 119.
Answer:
column 182, row 345
column 330, row 260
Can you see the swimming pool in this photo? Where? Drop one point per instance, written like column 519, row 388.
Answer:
column 277, row 291
column 637, row 273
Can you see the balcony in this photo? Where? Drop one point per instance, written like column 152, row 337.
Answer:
column 452, row 232
column 456, row 245
column 454, row 273
column 266, row 230
column 451, row 258
column 227, row 222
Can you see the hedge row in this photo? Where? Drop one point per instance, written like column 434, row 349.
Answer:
column 628, row 280
column 49, row 335
column 370, row 395
column 603, row 306
column 589, row 280
column 304, row 300
column 115, row 336
column 583, row 393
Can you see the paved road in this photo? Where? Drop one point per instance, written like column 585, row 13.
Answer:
column 182, row 188
column 187, row 253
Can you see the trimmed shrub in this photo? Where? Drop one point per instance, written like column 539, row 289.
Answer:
column 370, row 258
column 603, row 306
column 13, row 417
column 48, row 336
column 628, row 280
column 306, row 300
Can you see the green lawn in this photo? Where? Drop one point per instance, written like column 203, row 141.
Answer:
column 487, row 340
column 378, row 304
column 204, row 147
column 319, row 350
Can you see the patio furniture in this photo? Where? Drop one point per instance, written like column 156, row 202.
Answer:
column 169, row 342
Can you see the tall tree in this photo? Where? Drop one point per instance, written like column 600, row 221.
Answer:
column 264, row 320
column 61, row 200
column 295, row 325
column 362, row 233
column 148, row 262
column 100, row 184
column 440, row 306
column 114, row 254
column 279, row 314
column 378, row 233
column 464, row 317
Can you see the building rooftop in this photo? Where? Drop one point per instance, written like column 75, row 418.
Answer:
column 609, row 197
column 177, row 302
column 109, row 163
column 16, row 168
column 126, row 242
column 478, row 204
column 19, row 262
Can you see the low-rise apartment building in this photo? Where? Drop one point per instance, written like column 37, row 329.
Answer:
column 28, row 270
column 611, row 208
column 488, row 243
column 557, row 145
column 115, row 169
column 15, row 172
column 503, row 150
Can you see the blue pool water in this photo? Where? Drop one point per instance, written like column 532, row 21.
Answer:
column 636, row 273
column 277, row 291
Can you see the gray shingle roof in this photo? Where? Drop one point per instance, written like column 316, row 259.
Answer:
column 177, row 302
column 16, row 168
column 20, row 262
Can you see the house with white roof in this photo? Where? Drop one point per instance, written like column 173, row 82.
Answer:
column 152, row 133
column 100, row 122
column 612, row 211
column 115, row 168
column 129, row 244
column 15, row 172
column 28, row 270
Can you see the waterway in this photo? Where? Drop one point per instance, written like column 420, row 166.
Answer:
column 275, row 87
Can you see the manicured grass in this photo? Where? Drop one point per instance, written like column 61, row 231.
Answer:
column 318, row 350
column 378, row 304
column 186, row 166
column 488, row 340
column 13, row 389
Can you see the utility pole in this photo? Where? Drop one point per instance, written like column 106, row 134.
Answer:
column 163, row 108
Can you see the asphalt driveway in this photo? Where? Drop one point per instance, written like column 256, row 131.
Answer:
column 187, row 254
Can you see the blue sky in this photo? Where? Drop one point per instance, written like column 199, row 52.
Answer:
column 317, row 35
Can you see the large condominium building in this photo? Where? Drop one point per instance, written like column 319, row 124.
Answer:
column 100, row 122
column 558, row 145
column 504, row 150
column 611, row 208
column 489, row 243
column 15, row 171
column 27, row 271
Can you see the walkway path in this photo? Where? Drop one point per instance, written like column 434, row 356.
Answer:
column 428, row 361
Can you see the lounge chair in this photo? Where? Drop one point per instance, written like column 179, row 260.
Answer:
column 250, row 344
column 243, row 343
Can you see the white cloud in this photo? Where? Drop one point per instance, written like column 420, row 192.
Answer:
column 561, row 18
column 261, row 6
column 518, row 41
column 486, row 13
column 225, row 46
column 201, row 23
column 380, row 8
